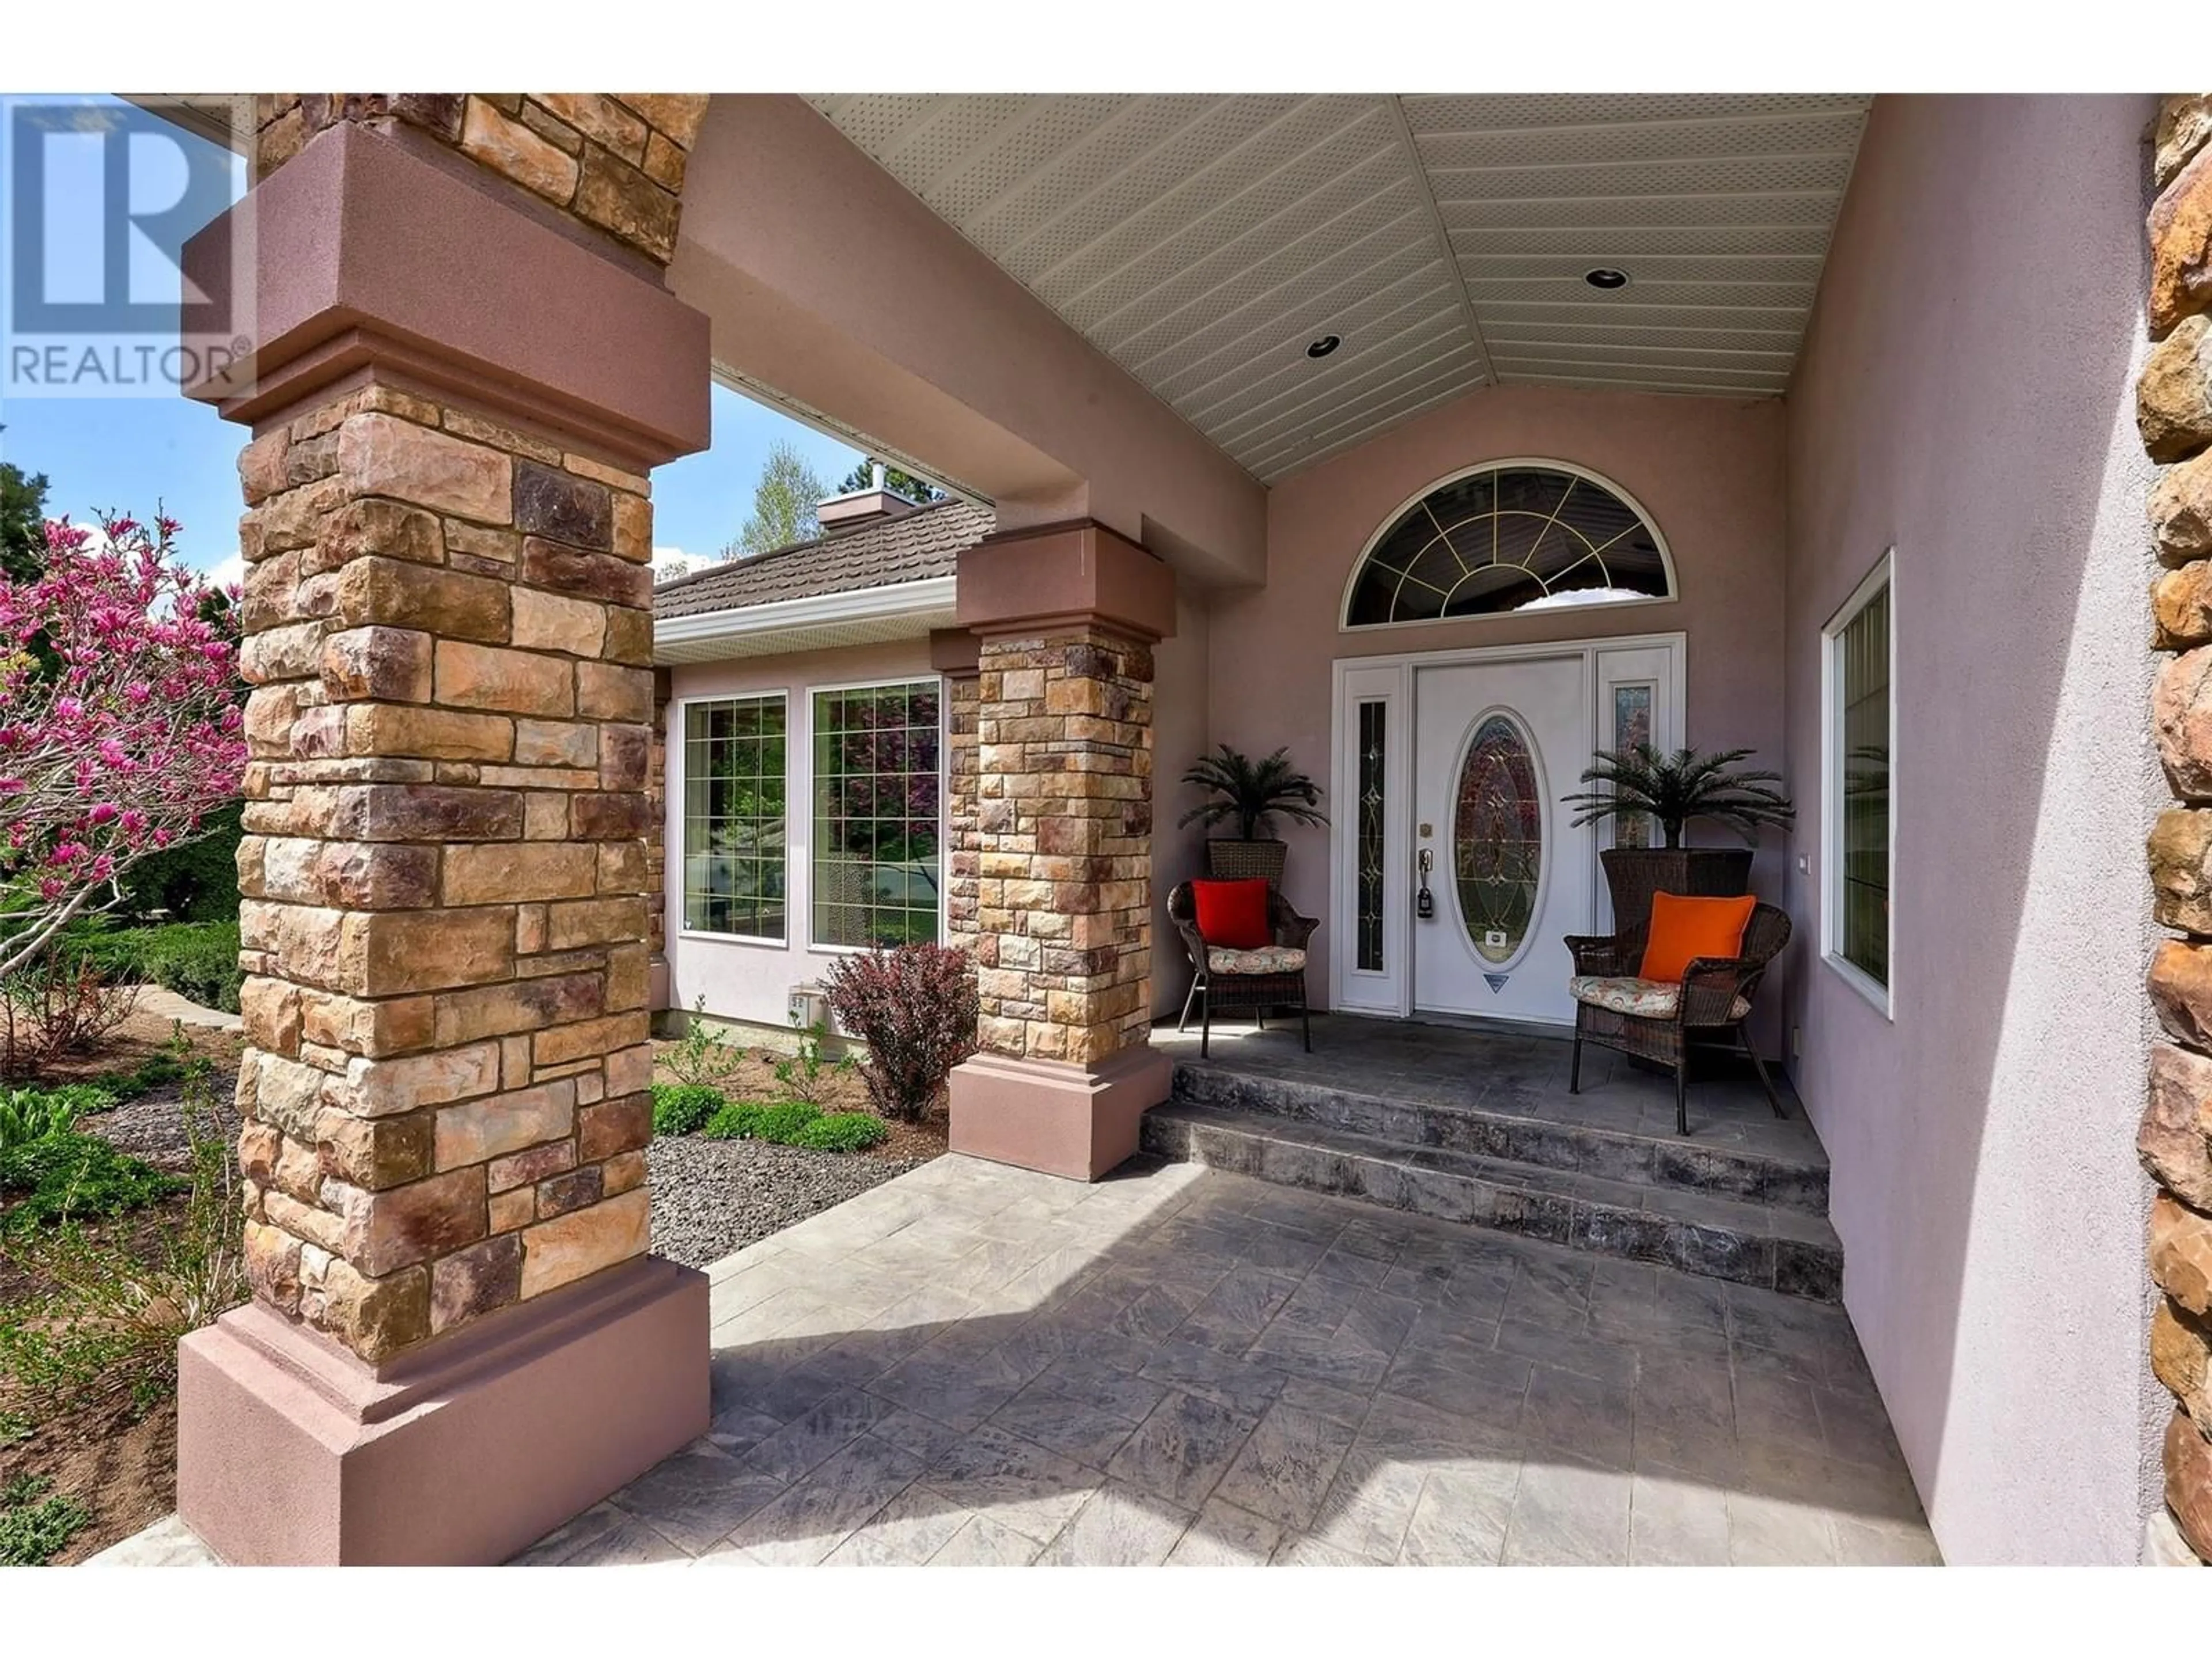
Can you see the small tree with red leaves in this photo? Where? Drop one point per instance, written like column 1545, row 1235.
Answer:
column 120, row 722
column 916, row 1008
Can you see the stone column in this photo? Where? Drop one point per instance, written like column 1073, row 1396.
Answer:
column 2174, row 414
column 1067, row 615
column 456, row 1338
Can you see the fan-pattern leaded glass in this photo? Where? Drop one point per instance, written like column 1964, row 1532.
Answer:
column 1509, row 537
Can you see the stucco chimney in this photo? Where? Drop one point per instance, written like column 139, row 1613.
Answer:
column 877, row 500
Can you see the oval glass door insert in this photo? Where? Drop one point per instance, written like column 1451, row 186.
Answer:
column 1498, row 839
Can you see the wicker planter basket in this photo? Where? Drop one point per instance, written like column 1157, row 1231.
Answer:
column 1634, row 873
column 1229, row 859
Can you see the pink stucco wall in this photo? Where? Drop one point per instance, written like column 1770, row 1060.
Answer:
column 1964, row 395
column 1709, row 470
column 1182, row 669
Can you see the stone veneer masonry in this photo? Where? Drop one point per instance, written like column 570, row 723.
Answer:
column 444, row 875
column 614, row 161
column 1058, row 866
column 2174, row 414
column 445, row 923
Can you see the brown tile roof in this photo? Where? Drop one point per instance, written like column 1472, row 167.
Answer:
column 921, row 544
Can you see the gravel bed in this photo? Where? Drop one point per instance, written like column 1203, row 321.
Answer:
column 152, row 1127
column 711, row 1197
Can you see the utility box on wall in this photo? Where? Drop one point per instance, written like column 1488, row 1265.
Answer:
column 807, row 1005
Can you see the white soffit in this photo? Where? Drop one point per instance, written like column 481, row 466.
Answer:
column 1202, row 242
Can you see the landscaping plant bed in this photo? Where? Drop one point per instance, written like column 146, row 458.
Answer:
column 112, row 1459
column 714, row 1193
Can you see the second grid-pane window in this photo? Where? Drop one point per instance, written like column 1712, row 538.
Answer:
column 877, row 795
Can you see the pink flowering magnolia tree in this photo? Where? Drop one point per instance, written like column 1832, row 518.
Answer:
column 120, row 723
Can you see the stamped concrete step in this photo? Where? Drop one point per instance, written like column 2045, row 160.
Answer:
column 1752, row 1175
column 1742, row 1241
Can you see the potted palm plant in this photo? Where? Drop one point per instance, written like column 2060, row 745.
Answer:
column 1252, row 793
column 1641, row 785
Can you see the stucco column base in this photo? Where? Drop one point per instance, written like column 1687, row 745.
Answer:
column 1080, row 1121
column 290, row 1451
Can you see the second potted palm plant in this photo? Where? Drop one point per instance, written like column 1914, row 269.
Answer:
column 1642, row 784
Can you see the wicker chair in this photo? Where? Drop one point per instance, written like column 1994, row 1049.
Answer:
column 1658, row 1021
column 1226, row 981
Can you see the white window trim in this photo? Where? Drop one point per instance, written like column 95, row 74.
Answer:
column 944, row 802
column 1883, row 997
column 676, row 766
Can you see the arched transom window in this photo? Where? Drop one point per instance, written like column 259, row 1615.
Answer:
column 1509, row 536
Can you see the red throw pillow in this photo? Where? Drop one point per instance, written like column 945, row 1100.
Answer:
column 1684, row 929
column 1233, row 914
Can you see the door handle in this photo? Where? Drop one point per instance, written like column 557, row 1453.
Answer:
column 1425, row 902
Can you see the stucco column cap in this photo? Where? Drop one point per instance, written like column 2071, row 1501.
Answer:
column 1064, row 576
column 371, row 263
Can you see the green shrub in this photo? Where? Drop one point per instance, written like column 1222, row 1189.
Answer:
column 702, row 1056
column 796, row 1123
column 77, row 1176
column 197, row 881
column 734, row 1122
column 151, row 1073
column 197, row 960
column 843, row 1131
column 805, row 1075
column 779, row 1121
column 783, row 1121
column 683, row 1109
column 34, row 1528
column 28, row 1114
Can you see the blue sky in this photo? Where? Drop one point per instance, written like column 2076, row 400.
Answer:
column 126, row 454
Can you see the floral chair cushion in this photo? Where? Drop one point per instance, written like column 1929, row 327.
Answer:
column 1640, row 999
column 1269, row 959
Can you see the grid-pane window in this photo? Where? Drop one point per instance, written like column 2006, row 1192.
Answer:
column 733, row 816
column 1861, row 860
column 877, row 799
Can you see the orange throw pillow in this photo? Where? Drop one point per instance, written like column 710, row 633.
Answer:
column 1684, row 929
column 1233, row 914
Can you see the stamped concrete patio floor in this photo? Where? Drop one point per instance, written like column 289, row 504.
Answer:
column 973, row 1364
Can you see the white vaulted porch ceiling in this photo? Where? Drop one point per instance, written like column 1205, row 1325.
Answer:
column 1204, row 242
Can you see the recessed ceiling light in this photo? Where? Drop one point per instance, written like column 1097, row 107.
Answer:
column 1323, row 346
column 1606, row 277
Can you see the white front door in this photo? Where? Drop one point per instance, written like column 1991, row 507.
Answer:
column 1495, row 747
